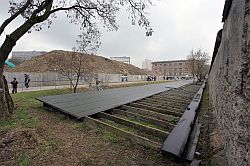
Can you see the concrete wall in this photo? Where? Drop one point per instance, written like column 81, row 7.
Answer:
column 230, row 84
column 55, row 79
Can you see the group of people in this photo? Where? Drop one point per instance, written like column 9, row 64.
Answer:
column 124, row 78
column 151, row 78
column 14, row 83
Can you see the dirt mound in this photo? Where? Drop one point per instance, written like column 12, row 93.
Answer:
column 95, row 64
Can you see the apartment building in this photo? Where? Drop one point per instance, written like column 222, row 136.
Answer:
column 147, row 65
column 176, row 68
column 123, row 59
column 26, row 55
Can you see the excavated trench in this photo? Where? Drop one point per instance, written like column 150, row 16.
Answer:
column 150, row 120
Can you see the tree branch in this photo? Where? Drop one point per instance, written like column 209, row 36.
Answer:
column 11, row 18
column 75, row 7
column 46, row 13
column 47, row 4
column 19, row 32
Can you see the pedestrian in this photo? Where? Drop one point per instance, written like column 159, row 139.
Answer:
column 123, row 78
column 26, row 80
column 14, row 85
column 98, row 84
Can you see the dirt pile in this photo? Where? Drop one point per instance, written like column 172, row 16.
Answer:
column 95, row 64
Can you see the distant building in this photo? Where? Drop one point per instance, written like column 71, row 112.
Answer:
column 123, row 59
column 147, row 64
column 176, row 68
column 25, row 55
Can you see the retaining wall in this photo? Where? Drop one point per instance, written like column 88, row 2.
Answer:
column 229, row 81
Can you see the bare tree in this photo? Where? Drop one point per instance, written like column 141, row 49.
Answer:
column 72, row 66
column 198, row 63
column 39, row 13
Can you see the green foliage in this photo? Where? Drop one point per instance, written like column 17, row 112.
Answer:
column 22, row 160
column 53, row 144
column 82, row 126
column 109, row 136
column 25, row 119
column 9, row 123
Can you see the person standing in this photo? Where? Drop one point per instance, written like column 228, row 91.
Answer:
column 14, row 85
column 98, row 84
column 26, row 80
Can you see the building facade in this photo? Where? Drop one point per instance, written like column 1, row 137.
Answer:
column 123, row 59
column 147, row 64
column 25, row 55
column 176, row 68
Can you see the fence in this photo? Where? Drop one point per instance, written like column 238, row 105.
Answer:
column 55, row 79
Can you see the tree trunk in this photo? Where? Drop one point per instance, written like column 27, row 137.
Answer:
column 74, row 90
column 6, row 103
column 77, row 81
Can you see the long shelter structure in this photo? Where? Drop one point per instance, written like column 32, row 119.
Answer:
column 83, row 104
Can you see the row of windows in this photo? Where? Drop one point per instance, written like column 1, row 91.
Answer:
column 170, row 64
column 171, row 69
column 176, row 74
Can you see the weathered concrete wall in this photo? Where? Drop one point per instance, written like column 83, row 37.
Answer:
column 230, row 84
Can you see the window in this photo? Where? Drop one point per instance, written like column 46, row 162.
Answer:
column 180, row 64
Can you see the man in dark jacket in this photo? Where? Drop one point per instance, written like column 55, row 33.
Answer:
column 14, row 85
column 26, row 80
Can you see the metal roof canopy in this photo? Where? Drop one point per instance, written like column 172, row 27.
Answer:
column 92, row 102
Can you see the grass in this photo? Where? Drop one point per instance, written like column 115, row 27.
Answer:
column 129, row 129
column 26, row 101
column 81, row 126
column 109, row 136
column 53, row 144
column 204, row 118
column 22, row 160
column 140, row 122
column 51, row 147
column 23, row 103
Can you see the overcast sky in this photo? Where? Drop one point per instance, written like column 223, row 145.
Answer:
column 179, row 26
